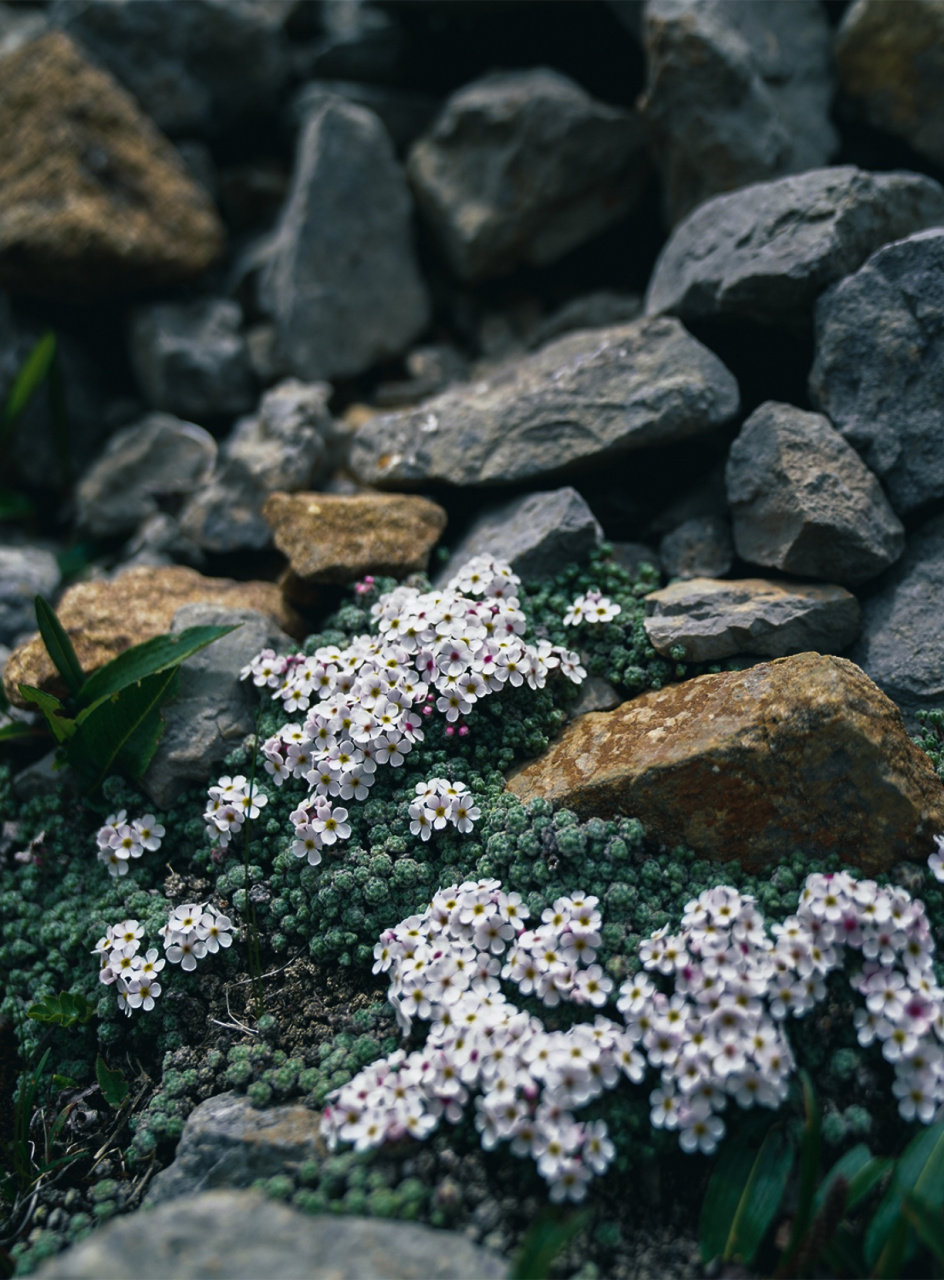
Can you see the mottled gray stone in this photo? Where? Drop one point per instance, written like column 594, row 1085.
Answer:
column 711, row 619
column 585, row 399
column 242, row 1235
column 285, row 444
column 195, row 66
column 879, row 367
column 765, row 252
column 902, row 643
column 18, row 26
column 431, row 368
column 213, row 710
column 736, row 93
column 225, row 514
column 521, row 166
column 598, row 310
column 191, row 359
column 25, row 572
column 699, row 548
column 594, row 694
column 802, row 500
column 159, row 540
column 631, row 555
column 404, row 112
column 158, row 457
column 535, row 534
column 342, row 282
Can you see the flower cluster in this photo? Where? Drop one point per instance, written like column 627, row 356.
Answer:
column 134, row 976
column 593, row 606
column 194, row 930
column 440, row 802
column 230, row 802
column 120, row 840
column 365, row 705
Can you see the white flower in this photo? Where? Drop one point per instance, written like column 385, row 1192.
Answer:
column 149, row 831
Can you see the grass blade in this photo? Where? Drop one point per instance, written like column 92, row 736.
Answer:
column 744, row 1194
column 147, row 659
column 59, row 646
column 33, row 370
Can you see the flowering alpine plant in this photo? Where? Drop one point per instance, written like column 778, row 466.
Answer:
column 364, row 706
column 711, row 1020
column 119, row 840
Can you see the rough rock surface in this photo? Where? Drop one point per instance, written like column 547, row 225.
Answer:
column 191, row 359
column 522, row 166
column 192, row 66
column 213, row 710
column 879, row 367
column 586, row 398
column 159, row 457
column 765, row 252
column 341, row 281
column 225, row 514
column 93, row 200
column 902, row 643
column 803, row 501
column 227, row 1143
column 337, row 538
column 711, row 619
column 891, row 61
column 697, row 548
column 105, row 618
column 405, row 113
column 598, row 310
column 754, row 765
column 736, row 93
column 284, row 445
column 244, row 1235
column 535, row 534
column 25, row 572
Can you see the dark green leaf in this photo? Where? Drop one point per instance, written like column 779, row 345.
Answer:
column 59, row 646
column 147, row 659
column 809, row 1170
column 62, row 727
column 548, row 1236
column 64, row 1082
column 861, row 1170
column 744, row 1194
column 121, row 732
column 920, row 1170
column 16, row 730
column 928, row 1222
column 33, row 370
column 66, row 1009
column 113, row 1084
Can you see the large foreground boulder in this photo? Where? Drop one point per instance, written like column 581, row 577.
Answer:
column 799, row 754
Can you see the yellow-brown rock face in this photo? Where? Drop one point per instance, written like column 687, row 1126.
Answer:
column 803, row 753
column 334, row 538
column 93, row 199
column 105, row 618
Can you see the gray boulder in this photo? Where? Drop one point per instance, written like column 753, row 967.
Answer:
column 697, row 548
column 156, row 458
column 765, row 252
column 225, row 514
column 243, row 1235
column 404, row 112
column 736, row 93
column 18, row 26
column 879, row 367
column 535, row 534
column 196, row 66
column 285, row 445
column 191, row 359
column 25, row 572
column 802, row 500
column 522, row 166
column 341, row 281
column 214, row 710
column 902, row 643
column 709, row 619
column 587, row 399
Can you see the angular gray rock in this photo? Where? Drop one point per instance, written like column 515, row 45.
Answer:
column 521, row 166
column 404, row 112
column 586, row 399
column 214, row 710
column 710, row 619
column 891, row 63
column 902, row 643
column 765, row 252
column 802, row 500
column 158, row 457
column 225, row 514
column 879, row 367
column 195, row 67
column 736, row 93
column 285, row 445
column 594, row 694
column 697, row 548
column 25, row 572
column 342, row 282
column 191, row 359
column 242, row 1235
column 535, row 534
column 227, row 1143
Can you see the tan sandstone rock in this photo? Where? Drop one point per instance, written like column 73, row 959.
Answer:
column 93, row 199
column 336, row 538
column 803, row 753
column 105, row 618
